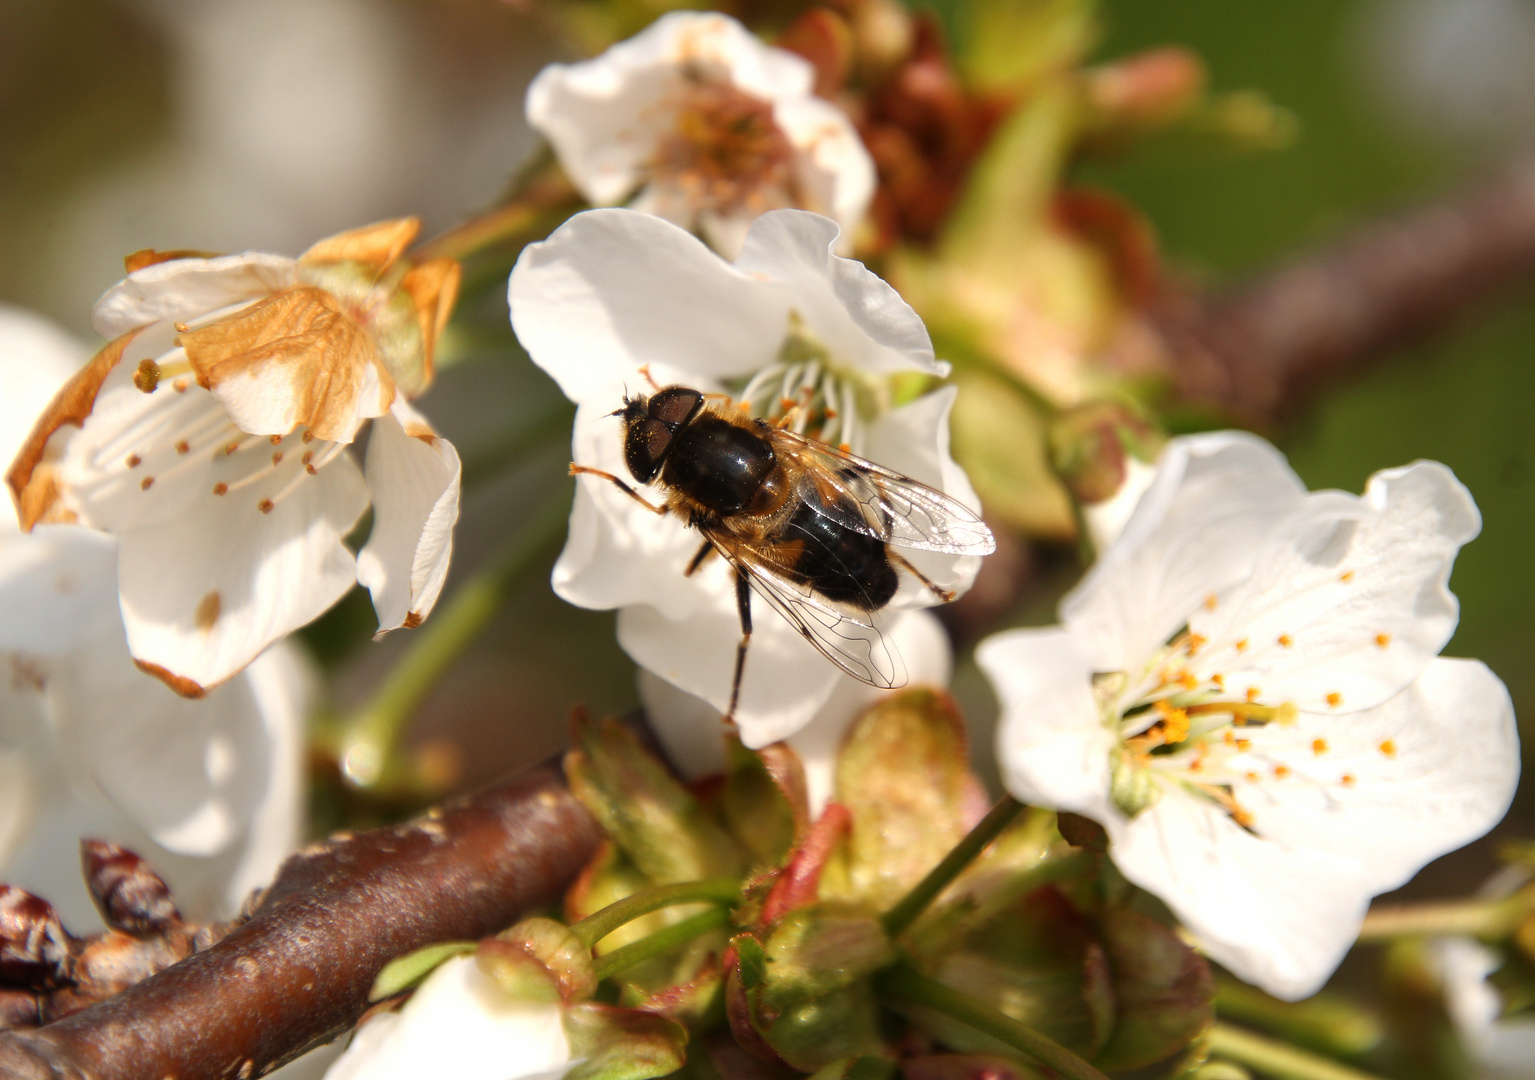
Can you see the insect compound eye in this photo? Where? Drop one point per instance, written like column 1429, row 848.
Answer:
column 675, row 405
column 645, row 445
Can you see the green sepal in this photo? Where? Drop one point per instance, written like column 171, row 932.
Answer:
column 814, row 951
column 1008, row 46
column 763, row 801
column 904, row 777
column 517, row 972
column 405, row 972
column 558, row 951
column 867, row 1067
column 622, row 1044
column 644, row 809
column 1164, row 992
column 814, row 1033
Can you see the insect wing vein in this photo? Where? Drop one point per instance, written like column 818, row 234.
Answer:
column 886, row 505
column 856, row 643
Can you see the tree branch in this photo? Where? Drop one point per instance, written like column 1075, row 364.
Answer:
column 297, row 973
column 1260, row 349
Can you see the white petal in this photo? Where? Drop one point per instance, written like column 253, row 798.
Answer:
column 611, row 290
column 1279, row 917
column 190, row 773
column 16, row 801
column 36, row 358
column 786, row 681
column 861, row 320
column 184, row 289
column 1448, row 778
column 55, row 583
column 1052, row 747
column 688, row 727
column 414, row 476
column 835, row 173
column 1199, row 529
column 124, row 468
column 283, row 684
column 1353, row 600
column 1502, row 1048
column 460, row 1023
column 202, row 596
column 914, row 440
column 602, row 116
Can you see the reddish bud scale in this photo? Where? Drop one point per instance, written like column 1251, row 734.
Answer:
column 34, row 948
column 130, row 895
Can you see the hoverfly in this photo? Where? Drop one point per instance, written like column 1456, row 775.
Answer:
column 810, row 528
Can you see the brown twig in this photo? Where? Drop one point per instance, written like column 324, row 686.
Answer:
column 297, row 973
column 1261, row 349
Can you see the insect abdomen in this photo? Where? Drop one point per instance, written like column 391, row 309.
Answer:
column 840, row 564
column 718, row 464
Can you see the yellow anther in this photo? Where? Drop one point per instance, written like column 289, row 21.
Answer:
column 1210, row 602
column 1252, row 694
column 1382, row 640
column 220, row 489
column 1175, row 726
column 1334, row 699
column 1187, row 681
column 1281, row 771
column 134, row 461
column 1196, row 642
column 1346, row 576
column 1285, row 641
column 1348, row 779
column 146, row 483
column 1241, row 644
column 1243, row 745
column 265, row 506
column 1219, row 681
column 183, row 447
column 1319, row 747
column 1388, row 747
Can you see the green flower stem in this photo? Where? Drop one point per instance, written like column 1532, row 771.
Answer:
column 662, row 941
column 938, row 878
column 1327, row 1022
column 543, row 200
column 599, row 924
column 369, row 739
column 905, row 984
column 1276, row 1059
column 1486, row 919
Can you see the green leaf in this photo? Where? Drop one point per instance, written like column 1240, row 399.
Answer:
column 405, row 972
column 905, row 778
column 644, row 809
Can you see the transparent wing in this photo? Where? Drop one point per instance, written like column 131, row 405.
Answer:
column 868, row 498
column 851, row 638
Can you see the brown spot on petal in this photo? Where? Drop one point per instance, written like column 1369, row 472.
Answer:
column 32, row 481
column 208, row 610
column 413, row 619
column 150, row 257
column 179, row 683
column 301, row 335
column 418, row 430
column 379, row 244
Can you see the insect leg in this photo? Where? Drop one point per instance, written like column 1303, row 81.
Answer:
column 698, row 560
column 744, row 606
column 576, row 470
column 944, row 595
column 651, row 379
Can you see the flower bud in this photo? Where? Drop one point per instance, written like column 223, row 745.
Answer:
column 34, row 947
column 1147, row 89
column 129, row 894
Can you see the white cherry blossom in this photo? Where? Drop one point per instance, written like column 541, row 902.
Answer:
column 210, row 792
column 210, row 437
column 615, row 298
column 1501, row 1048
column 698, row 121
column 460, row 1023
column 1245, row 692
